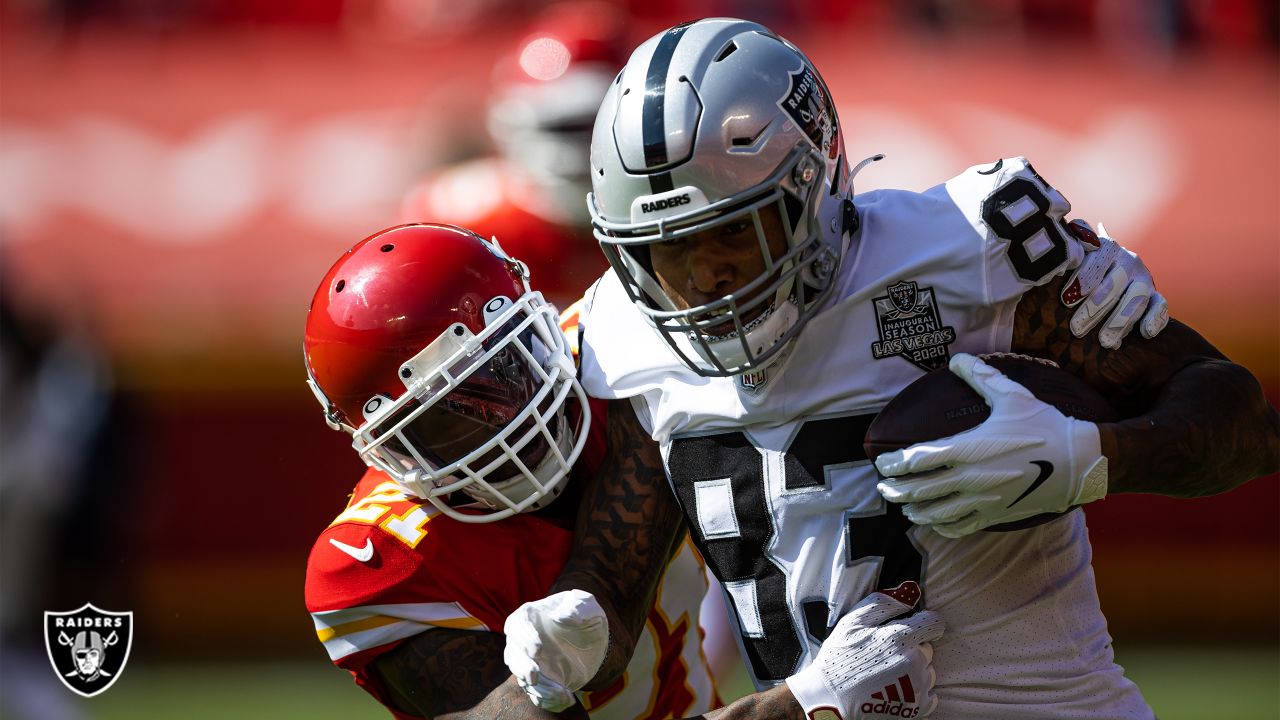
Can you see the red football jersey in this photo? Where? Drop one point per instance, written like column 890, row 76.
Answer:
column 391, row 566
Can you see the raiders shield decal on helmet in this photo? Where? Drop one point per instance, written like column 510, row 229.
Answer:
column 88, row 647
column 808, row 103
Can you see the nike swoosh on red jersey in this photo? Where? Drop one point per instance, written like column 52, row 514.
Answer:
column 364, row 554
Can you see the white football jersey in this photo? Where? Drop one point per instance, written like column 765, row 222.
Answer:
column 781, row 498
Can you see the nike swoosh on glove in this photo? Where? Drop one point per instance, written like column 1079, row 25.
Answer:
column 1112, row 280
column 994, row 473
column 866, row 653
column 555, row 646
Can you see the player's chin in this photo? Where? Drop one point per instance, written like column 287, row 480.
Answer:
column 758, row 309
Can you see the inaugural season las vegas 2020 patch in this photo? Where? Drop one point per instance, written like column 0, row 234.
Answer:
column 88, row 647
column 910, row 327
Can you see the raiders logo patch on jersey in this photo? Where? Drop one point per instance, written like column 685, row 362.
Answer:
column 910, row 327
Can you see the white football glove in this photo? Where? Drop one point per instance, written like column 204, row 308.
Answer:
column 870, row 667
column 1112, row 280
column 1027, row 458
column 555, row 646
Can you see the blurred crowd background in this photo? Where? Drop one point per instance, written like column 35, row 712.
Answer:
column 177, row 175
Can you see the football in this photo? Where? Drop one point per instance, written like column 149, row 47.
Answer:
column 940, row 404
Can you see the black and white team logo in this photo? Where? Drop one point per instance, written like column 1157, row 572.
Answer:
column 809, row 105
column 88, row 647
column 910, row 327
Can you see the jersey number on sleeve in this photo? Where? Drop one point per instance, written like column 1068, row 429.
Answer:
column 738, row 552
column 1018, row 212
column 409, row 527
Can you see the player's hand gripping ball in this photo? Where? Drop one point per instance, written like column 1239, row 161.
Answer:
column 1000, row 443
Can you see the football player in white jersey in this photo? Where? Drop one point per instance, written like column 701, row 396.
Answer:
column 756, row 317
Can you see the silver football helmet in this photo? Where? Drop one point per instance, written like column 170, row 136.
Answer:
column 711, row 123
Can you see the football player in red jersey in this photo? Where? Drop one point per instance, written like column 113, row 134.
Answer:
column 426, row 345
column 531, row 193
column 455, row 383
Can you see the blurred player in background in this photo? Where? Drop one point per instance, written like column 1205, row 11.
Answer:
column 453, row 526
column 532, row 193
column 724, row 201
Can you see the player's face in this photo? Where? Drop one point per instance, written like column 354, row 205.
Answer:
column 474, row 412
column 450, row 435
column 706, row 266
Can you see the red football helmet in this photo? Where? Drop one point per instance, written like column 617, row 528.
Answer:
column 426, row 344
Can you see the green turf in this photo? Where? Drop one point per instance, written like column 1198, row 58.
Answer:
column 1184, row 683
column 315, row 691
column 1180, row 683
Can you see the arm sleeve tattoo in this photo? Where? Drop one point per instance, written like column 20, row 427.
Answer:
column 455, row 675
column 1198, row 424
column 776, row 703
column 627, row 529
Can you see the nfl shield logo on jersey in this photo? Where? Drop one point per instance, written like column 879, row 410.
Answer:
column 88, row 647
column 754, row 380
column 910, row 326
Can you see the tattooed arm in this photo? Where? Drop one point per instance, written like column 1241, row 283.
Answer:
column 628, row 528
column 457, row 675
column 776, row 703
column 1198, row 423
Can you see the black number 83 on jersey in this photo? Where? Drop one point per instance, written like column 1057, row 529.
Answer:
column 736, row 536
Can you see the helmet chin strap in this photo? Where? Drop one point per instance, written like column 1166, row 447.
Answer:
column 858, row 168
column 850, row 223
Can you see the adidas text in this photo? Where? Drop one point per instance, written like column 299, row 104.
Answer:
column 891, row 709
